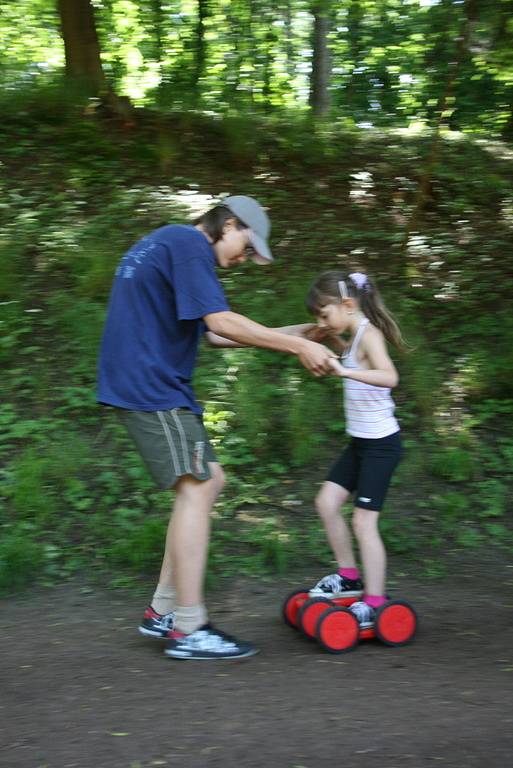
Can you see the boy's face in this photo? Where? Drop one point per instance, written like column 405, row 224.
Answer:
column 234, row 246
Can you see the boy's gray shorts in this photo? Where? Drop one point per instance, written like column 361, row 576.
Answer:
column 172, row 443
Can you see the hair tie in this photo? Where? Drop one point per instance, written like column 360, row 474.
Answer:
column 359, row 279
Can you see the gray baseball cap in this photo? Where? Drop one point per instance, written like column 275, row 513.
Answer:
column 251, row 213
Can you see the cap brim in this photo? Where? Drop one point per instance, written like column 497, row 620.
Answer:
column 263, row 253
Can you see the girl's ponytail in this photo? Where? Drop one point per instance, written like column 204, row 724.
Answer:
column 373, row 307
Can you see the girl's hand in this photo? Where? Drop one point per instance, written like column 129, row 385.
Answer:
column 338, row 369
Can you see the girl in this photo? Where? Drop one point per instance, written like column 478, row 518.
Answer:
column 351, row 304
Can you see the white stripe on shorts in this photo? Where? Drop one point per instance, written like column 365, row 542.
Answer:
column 169, row 439
column 183, row 440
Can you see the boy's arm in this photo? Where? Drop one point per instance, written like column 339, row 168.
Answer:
column 332, row 340
column 230, row 325
column 291, row 330
column 382, row 371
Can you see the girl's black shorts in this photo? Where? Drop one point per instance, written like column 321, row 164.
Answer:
column 365, row 468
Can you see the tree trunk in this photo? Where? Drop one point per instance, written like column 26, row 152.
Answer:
column 355, row 15
column 507, row 130
column 158, row 16
column 289, row 39
column 82, row 49
column 266, row 88
column 501, row 45
column 423, row 193
column 321, row 65
column 200, row 42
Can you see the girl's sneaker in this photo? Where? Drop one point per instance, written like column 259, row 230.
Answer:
column 207, row 643
column 336, row 585
column 156, row 624
column 364, row 613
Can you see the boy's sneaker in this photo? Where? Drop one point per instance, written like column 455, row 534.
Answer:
column 364, row 613
column 156, row 624
column 207, row 643
column 336, row 585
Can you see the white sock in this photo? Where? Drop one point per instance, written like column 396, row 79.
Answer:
column 164, row 600
column 190, row 618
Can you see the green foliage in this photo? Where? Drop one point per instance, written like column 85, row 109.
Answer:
column 434, row 568
column 450, row 509
column 453, row 463
column 21, row 558
column 27, row 488
column 399, row 534
column 389, row 66
column 43, row 482
column 136, row 544
column 469, row 536
column 272, row 545
column 492, row 497
column 74, row 490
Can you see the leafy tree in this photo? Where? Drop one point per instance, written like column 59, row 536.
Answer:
column 383, row 62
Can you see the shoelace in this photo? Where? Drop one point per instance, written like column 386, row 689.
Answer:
column 332, row 582
column 362, row 611
column 209, row 641
column 223, row 635
column 167, row 621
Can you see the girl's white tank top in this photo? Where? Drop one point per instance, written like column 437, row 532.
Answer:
column 369, row 409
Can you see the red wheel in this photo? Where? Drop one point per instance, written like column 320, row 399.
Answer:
column 310, row 613
column 396, row 623
column 338, row 630
column 291, row 606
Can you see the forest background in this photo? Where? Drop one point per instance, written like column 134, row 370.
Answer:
column 378, row 134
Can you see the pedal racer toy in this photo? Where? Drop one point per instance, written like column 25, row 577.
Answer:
column 331, row 623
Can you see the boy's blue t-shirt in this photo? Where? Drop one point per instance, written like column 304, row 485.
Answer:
column 164, row 285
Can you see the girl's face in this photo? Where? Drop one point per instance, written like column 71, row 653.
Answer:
column 334, row 318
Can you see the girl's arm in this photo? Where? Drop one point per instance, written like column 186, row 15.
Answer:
column 302, row 329
column 382, row 372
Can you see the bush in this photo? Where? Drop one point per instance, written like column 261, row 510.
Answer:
column 453, row 463
column 21, row 558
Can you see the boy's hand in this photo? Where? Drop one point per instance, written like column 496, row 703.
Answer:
column 314, row 333
column 326, row 337
column 316, row 358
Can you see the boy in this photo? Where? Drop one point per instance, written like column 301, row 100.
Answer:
column 165, row 295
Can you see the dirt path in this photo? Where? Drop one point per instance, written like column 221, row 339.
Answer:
column 80, row 689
